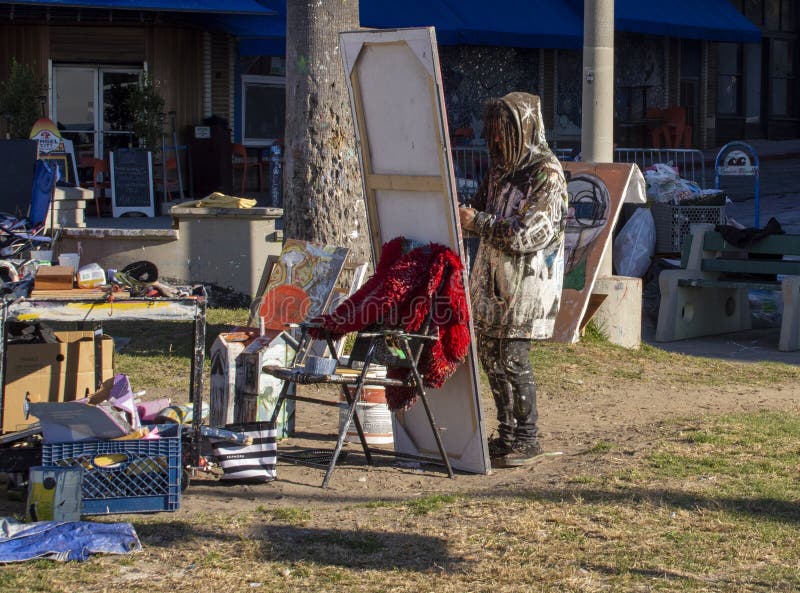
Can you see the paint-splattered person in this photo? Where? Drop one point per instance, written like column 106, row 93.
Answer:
column 520, row 213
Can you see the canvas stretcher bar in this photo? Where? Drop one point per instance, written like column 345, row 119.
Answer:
column 409, row 186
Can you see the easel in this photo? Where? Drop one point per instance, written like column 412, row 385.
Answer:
column 408, row 348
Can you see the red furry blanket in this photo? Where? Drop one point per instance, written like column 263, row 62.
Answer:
column 400, row 295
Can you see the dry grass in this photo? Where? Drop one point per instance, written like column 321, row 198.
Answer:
column 712, row 507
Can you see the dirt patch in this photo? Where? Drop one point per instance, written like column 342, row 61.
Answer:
column 620, row 418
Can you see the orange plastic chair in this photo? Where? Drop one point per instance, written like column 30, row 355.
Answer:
column 675, row 130
column 240, row 162
column 101, row 179
column 172, row 178
column 655, row 125
column 463, row 136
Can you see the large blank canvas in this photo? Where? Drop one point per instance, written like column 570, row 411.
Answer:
column 409, row 186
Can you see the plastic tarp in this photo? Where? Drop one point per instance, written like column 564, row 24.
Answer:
column 45, row 177
column 71, row 541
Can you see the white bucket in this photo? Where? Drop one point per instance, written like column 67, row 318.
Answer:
column 374, row 415
column 71, row 260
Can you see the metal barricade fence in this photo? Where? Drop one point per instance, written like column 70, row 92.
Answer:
column 690, row 162
column 471, row 164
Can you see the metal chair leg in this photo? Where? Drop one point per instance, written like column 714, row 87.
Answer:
column 350, row 412
column 423, row 397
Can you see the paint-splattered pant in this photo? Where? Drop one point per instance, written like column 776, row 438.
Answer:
column 507, row 364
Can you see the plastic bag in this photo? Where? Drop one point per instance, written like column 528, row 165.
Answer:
column 635, row 244
column 661, row 182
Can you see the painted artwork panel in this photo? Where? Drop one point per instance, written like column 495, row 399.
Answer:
column 596, row 193
column 301, row 283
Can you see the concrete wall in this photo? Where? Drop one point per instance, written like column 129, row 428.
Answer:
column 225, row 247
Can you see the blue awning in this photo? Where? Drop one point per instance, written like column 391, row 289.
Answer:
column 517, row 23
column 514, row 23
column 713, row 20
column 196, row 6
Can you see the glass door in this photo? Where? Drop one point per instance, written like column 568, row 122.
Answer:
column 89, row 107
column 115, row 125
column 74, row 100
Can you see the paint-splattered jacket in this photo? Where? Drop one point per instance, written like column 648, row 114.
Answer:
column 516, row 280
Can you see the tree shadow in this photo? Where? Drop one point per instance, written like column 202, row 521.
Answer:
column 758, row 507
column 358, row 549
column 679, row 580
column 166, row 534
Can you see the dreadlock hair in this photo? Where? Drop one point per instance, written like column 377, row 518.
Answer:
column 499, row 123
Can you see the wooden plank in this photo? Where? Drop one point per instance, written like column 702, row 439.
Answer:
column 751, row 266
column 79, row 294
column 406, row 182
column 92, row 310
column 97, row 44
column 755, row 285
column 595, row 300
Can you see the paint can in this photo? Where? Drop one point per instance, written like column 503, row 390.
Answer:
column 374, row 415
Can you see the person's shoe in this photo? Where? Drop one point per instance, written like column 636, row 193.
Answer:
column 521, row 454
column 499, row 448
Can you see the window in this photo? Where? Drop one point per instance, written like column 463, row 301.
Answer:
column 788, row 16
column 263, row 109
column 782, row 75
column 729, row 79
column 754, row 11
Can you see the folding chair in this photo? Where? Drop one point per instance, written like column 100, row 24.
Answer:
column 390, row 347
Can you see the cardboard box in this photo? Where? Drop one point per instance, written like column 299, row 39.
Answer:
column 256, row 391
column 222, row 381
column 51, row 373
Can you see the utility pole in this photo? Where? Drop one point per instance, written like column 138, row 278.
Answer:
column 597, row 128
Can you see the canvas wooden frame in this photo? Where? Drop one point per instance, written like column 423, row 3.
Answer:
column 409, row 186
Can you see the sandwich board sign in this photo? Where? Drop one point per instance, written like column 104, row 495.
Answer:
column 132, row 182
column 409, row 186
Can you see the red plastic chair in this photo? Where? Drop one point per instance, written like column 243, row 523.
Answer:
column 101, row 179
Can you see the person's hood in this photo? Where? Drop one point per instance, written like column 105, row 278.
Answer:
column 527, row 112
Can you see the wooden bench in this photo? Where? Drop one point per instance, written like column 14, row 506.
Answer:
column 706, row 297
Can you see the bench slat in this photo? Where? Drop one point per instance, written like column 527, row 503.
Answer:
column 697, row 283
column 751, row 266
column 773, row 244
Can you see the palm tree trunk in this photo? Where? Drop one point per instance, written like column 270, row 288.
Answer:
column 323, row 194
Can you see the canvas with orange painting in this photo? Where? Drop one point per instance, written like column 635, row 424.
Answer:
column 301, row 283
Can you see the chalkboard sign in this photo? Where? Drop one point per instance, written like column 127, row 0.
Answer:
column 132, row 182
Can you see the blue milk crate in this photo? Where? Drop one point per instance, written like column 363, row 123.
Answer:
column 147, row 480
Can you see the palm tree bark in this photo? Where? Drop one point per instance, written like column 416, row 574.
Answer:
column 323, row 194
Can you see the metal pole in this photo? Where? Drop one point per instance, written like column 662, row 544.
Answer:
column 597, row 131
